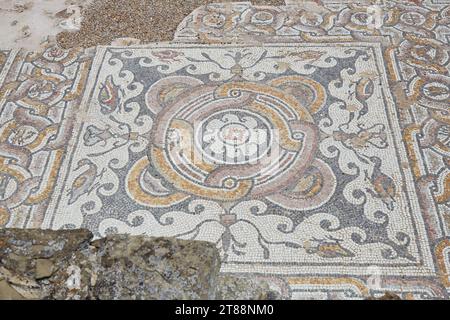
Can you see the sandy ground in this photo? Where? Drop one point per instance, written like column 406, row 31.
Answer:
column 146, row 20
column 30, row 23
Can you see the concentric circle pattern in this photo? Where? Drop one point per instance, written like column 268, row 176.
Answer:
column 239, row 140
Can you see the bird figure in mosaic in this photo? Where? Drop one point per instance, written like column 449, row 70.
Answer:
column 364, row 138
column 309, row 55
column 327, row 248
column 110, row 96
column 86, row 181
column 363, row 89
column 168, row 56
column 383, row 186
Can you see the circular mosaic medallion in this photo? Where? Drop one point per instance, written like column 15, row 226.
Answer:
column 234, row 137
column 235, row 140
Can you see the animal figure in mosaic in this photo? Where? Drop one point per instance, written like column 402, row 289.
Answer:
column 309, row 55
column 168, row 56
column 365, row 137
column 85, row 182
column 96, row 135
column 361, row 91
column 383, row 185
column 110, row 96
column 328, row 247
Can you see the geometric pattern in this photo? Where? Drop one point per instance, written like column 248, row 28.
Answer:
column 316, row 155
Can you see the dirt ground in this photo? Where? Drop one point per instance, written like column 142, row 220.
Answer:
column 29, row 23
column 146, row 20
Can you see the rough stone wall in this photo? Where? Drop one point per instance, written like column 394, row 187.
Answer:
column 67, row 264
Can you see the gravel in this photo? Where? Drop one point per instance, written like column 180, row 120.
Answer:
column 146, row 20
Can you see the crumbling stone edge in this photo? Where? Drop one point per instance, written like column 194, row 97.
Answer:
column 69, row 264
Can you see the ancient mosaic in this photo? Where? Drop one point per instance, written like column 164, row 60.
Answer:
column 315, row 154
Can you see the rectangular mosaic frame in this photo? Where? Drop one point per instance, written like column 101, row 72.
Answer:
column 426, row 269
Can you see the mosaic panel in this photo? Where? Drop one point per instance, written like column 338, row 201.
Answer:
column 358, row 202
column 288, row 164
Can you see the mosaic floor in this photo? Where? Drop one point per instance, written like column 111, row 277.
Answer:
column 314, row 151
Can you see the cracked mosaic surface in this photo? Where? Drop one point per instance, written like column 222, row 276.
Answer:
column 181, row 140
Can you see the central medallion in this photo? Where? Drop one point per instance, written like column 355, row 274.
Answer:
column 234, row 137
column 234, row 140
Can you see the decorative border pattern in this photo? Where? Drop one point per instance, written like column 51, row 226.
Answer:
column 40, row 99
column 43, row 93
